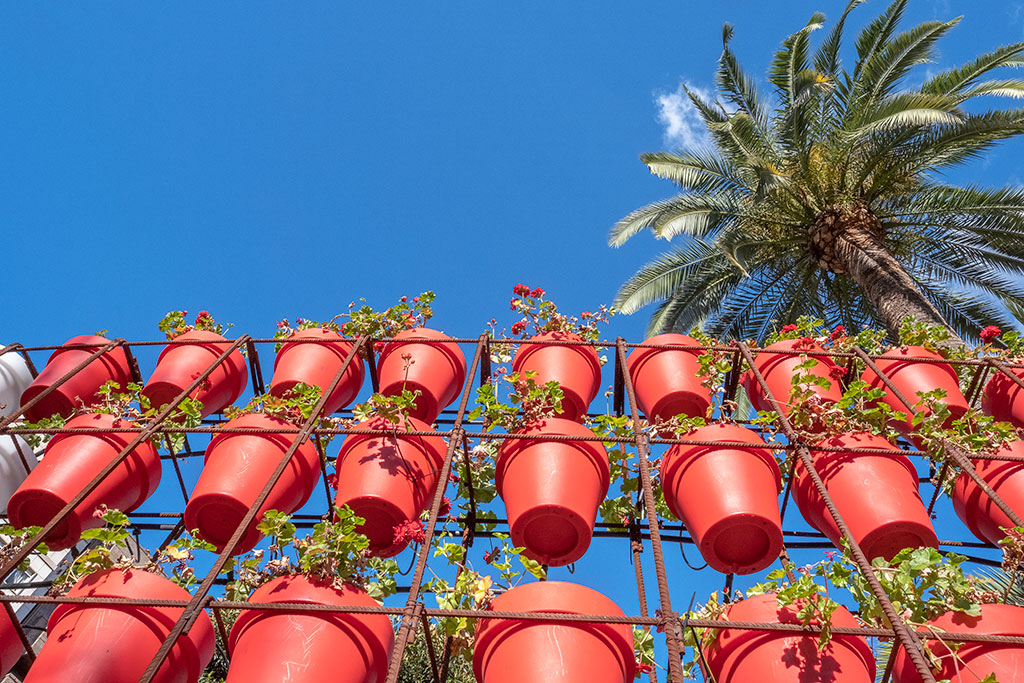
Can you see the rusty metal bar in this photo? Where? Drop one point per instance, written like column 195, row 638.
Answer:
column 22, row 636
column 255, row 370
column 636, row 547
column 195, row 606
column 907, row 637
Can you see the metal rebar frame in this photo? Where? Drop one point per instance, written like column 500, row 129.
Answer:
column 415, row 614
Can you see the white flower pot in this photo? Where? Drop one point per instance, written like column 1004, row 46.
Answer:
column 12, row 468
column 14, row 379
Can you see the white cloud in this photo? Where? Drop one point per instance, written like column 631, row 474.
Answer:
column 683, row 126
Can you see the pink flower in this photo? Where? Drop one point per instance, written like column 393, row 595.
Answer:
column 410, row 531
column 989, row 333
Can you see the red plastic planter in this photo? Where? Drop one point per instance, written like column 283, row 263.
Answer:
column 512, row 651
column 552, row 490
column 180, row 364
column 911, row 377
column 778, row 370
column 72, row 461
column 388, row 480
column 746, row 656
column 236, row 469
column 876, row 495
column 83, row 385
column 316, row 365
column 666, row 381
column 437, row 370
column 973, row 661
column 577, row 369
column 1002, row 398
column 281, row 645
column 11, row 648
column 727, row 497
column 91, row 643
column 976, row 509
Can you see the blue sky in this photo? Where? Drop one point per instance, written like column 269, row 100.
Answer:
column 269, row 160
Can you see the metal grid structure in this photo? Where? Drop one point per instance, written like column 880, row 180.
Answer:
column 414, row 614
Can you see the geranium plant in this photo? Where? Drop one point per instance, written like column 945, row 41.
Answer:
column 175, row 324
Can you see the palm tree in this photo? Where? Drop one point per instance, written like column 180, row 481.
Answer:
column 829, row 203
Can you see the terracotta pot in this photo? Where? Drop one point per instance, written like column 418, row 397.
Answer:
column 15, row 376
column 512, row 651
column 976, row 509
column 745, row 656
column 237, row 467
column 11, row 648
column 283, row 646
column 727, row 497
column 90, row 643
column 778, row 370
column 316, row 365
column 911, row 377
column 973, row 661
column 667, row 381
column 83, row 385
column 72, row 461
column 388, row 480
column 552, row 490
column 179, row 365
column 15, row 454
column 577, row 369
column 437, row 370
column 876, row 495
column 1002, row 398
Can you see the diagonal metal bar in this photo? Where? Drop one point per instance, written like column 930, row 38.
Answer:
column 911, row 643
column 195, row 606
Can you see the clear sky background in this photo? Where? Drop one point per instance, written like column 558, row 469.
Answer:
column 269, row 160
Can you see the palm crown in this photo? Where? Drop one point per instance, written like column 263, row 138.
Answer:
column 828, row 204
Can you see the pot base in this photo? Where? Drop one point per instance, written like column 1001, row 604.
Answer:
column 553, row 535
column 218, row 515
column 889, row 539
column 743, row 543
column 382, row 516
column 37, row 507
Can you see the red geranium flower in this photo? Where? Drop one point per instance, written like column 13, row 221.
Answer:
column 837, row 373
column 989, row 333
column 643, row 668
column 446, row 507
column 537, row 293
column 490, row 555
column 788, row 328
column 521, row 290
column 518, row 327
column 409, row 532
column 840, row 331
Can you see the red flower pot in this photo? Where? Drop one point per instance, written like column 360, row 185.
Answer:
column 72, row 461
column 512, row 651
column 91, row 643
column 552, row 490
column 976, row 509
column 284, row 645
column 911, row 377
column 577, row 369
column 778, row 370
column 666, row 381
column 727, row 497
column 436, row 369
column 83, row 385
column 876, row 495
column 11, row 648
column 388, row 480
column 237, row 467
column 1002, row 398
column 973, row 661
column 316, row 365
column 180, row 364
column 746, row 656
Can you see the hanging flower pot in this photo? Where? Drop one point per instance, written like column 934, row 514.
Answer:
column 976, row 509
column 667, row 381
column 778, row 370
column 552, row 490
column 15, row 376
column 1002, row 398
column 11, row 647
column 316, row 364
column 436, row 369
column 16, row 460
column 388, row 480
column 911, row 377
column 83, row 386
column 237, row 467
column 114, row 643
column 71, row 461
column 876, row 496
column 728, row 498
column 511, row 651
column 577, row 369
column 972, row 662
column 743, row 656
column 285, row 645
column 180, row 364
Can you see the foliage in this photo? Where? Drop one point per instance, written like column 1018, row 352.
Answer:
column 295, row 406
column 831, row 152
column 392, row 407
column 100, row 555
column 528, row 401
column 16, row 539
column 174, row 324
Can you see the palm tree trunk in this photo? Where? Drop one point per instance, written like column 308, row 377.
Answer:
column 885, row 282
